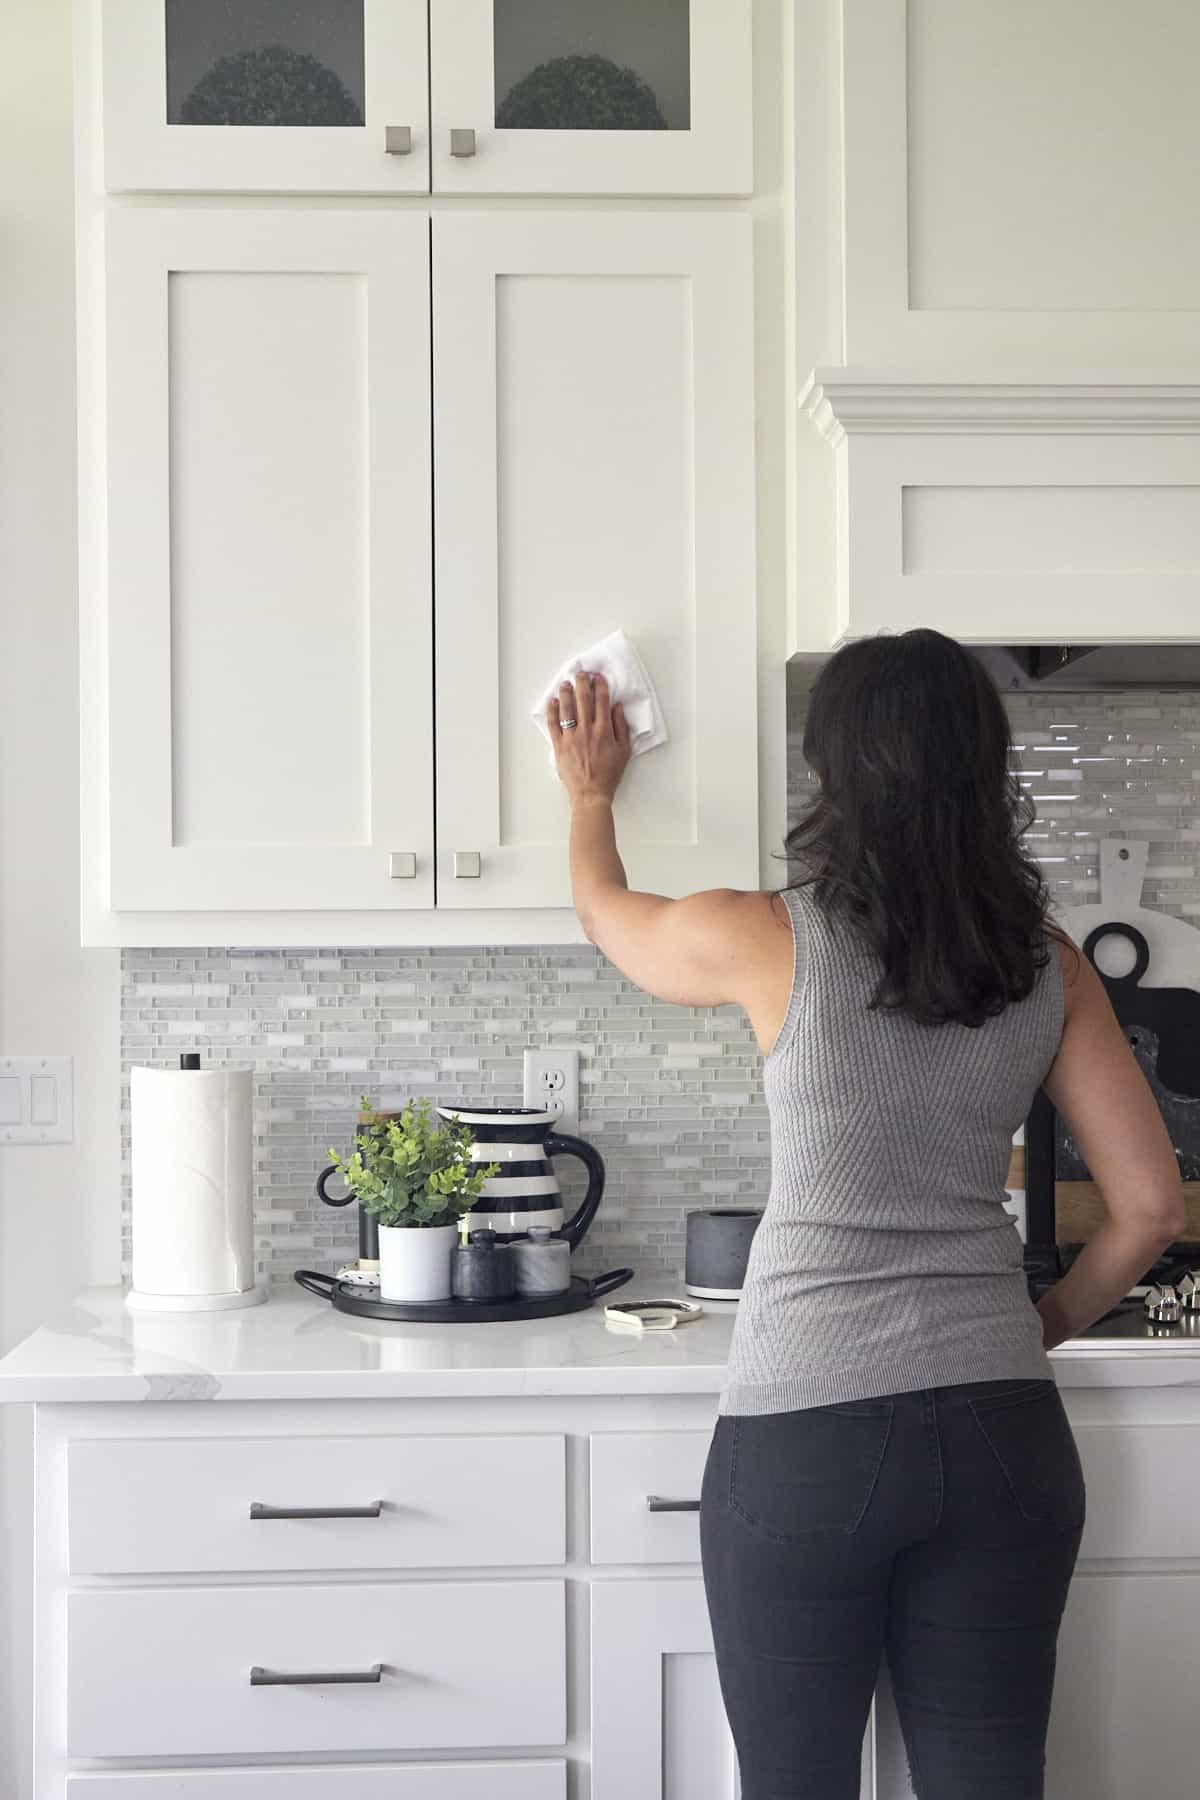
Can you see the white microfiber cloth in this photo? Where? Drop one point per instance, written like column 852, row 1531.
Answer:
column 617, row 660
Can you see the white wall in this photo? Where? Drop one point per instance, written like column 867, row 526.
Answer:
column 59, row 1207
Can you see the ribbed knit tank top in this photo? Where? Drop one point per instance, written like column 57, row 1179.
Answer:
column 884, row 1260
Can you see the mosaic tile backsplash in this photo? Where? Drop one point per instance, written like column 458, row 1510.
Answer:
column 670, row 1095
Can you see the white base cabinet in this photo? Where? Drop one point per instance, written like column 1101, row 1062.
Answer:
column 525, row 1626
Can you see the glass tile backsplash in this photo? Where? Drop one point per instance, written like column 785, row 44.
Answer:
column 670, row 1095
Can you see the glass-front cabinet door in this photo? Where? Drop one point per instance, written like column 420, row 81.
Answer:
column 591, row 96
column 315, row 96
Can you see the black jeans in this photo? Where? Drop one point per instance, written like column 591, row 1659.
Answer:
column 939, row 1527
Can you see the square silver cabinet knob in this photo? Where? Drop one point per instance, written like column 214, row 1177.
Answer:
column 466, row 865
column 462, row 140
column 397, row 140
column 402, row 865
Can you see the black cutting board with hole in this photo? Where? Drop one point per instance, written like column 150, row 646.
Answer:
column 1162, row 1026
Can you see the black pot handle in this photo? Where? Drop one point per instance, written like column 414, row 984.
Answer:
column 615, row 1278
column 560, row 1143
column 315, row 1283
column 332, row 1199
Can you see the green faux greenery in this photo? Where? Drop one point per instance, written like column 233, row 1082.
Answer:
column 271, row 86
column 580, row 93
column 411, row 1171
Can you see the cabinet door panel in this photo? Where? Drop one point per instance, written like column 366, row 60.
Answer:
column 592, row 96
column 276, row 96
column 658, row 1725
column 594, row 470
column 269, row 559
column 659, row 1730
column 1125, row 1687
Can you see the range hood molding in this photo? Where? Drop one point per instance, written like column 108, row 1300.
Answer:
column 841, row 401
column 1017, row 510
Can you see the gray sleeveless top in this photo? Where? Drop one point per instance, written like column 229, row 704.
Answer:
column 884, row 1260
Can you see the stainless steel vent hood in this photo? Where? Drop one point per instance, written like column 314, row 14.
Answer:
column 1049, row 668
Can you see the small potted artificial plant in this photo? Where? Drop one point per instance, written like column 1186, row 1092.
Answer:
column 417, row 1179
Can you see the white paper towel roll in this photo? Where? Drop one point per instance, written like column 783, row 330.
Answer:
column 193, row 1194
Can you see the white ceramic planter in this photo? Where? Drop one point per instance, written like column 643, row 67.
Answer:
column 414, row 1261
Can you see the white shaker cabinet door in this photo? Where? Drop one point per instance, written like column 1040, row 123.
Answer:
column 594, row 469
column 276, row 96
column 1125, row 1688
column 591, row 96
column 269, row 655
column 659, row 1730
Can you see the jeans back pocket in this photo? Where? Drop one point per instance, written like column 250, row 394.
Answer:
column 1030, row 1437
column 793, row 1474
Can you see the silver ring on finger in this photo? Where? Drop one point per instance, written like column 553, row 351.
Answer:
column 568, row 724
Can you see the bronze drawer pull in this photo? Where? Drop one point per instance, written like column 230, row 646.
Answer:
column 273, row 1678
column 259, row 1511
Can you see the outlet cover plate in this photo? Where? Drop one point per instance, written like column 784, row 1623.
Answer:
column 552, row 1081
column 36, row 1100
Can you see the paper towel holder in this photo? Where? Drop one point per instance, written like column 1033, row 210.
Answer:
column 189, row 1256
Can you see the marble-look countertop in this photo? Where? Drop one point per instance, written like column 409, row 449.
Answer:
column 295, row 1347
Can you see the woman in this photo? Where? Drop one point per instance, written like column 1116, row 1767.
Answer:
column 892, row 1470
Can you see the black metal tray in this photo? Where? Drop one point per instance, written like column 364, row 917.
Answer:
column 349, row 1298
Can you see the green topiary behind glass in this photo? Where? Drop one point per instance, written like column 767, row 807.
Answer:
column 271, row 86
column 580, row 93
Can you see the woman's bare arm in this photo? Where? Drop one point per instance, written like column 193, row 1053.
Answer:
column 725, row 946
column 1097, row 1088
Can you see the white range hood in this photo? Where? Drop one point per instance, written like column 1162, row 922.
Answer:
column 1020, row 512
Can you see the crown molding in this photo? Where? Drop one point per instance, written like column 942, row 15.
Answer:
column 845, row 400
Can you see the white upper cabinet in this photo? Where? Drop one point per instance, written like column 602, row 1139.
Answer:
column 1014, row 184
column 593, row 431
column 335, row 96
column 270, row 729
column 310, row 96
column 276, row 563
column 591, row 96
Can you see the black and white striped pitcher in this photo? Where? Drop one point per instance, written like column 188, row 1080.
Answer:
column 526, row 1191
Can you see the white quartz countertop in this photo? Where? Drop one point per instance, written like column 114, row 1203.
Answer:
column 295, row 1347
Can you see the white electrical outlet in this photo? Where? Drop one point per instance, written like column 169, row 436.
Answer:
column 552, row 1083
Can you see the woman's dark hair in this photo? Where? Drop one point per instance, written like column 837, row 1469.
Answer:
column 914, row 833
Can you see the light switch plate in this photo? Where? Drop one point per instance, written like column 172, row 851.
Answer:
column 36, row 1100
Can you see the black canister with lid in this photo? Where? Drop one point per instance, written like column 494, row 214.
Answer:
column 481, row 1269
column 718, row 1249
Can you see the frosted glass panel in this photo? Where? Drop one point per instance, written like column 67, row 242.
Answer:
column 592, row 65
column 265, row 62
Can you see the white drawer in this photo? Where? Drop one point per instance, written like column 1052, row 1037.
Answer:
column 403, row 1781
column 167, row 1671
column 162, row 1506
column 1142, row 1482
column 638, row 1480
